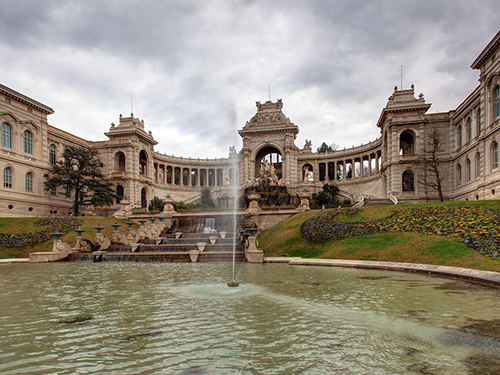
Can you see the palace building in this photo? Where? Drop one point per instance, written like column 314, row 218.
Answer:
column 461, row 143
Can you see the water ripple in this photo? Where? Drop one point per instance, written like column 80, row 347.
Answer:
column 182, row 319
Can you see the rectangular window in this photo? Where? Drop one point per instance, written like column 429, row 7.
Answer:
column 6, row 137
column 478, row 121
column 496, row 108
column 28, row 143
column 53, row 191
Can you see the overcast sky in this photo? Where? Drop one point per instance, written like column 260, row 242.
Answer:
column 196, row 68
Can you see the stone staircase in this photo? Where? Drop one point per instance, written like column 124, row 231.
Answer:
column 171, row 248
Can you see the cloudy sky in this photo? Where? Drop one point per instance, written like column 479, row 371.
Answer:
column 196, row 68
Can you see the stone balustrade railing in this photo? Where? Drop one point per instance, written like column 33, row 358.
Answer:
column 130, row 237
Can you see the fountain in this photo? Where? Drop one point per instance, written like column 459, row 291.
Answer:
column 269, row 187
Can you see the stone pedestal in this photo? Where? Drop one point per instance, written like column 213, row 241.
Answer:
column 304, row 201
column 253, row 207
column 168, row 212
column 60, row 250
column 125, row 210
column 252, row 254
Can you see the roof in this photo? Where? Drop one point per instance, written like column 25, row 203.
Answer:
column 26, row 99
column 487, row 52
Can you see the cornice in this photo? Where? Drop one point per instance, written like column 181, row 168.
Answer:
column 487, row 52
column 7, row 91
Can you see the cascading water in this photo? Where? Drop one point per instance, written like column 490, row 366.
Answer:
column 209, row 225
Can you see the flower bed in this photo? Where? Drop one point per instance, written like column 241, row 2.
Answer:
column 477, row 227
column 59, row 224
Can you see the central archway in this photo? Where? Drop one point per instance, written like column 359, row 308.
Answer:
column 273, row 156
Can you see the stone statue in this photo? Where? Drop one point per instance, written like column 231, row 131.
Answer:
column 306, row 173
column 307, row 145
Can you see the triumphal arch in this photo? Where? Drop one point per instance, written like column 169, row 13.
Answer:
column 269, row 136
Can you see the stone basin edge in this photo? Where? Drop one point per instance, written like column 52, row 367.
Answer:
column 489, row 278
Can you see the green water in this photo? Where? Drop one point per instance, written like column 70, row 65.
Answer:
column 129, row 318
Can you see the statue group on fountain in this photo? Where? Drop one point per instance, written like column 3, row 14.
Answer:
column 266, row 171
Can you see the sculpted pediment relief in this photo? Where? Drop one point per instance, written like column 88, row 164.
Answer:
column 269, row 114
column 267, row 119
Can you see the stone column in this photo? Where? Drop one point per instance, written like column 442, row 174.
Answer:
column 286, row 172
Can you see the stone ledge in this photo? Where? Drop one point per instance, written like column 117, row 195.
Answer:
column 478, row 276
column 280, row 259
column 14, row 260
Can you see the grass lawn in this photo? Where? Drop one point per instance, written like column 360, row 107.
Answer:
column 286, row 238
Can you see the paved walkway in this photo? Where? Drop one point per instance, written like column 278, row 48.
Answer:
column 469, row 274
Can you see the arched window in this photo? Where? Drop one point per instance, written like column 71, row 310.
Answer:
column 468, row 169
column 144, row 199
column 494, row 155
column 143, row 163
column 52, row 154
column 478, row 164
column 459, row 136
column 7, row 178
column 469, row 129
column 6, row 137
column 406, row 143
column 28, row 143
column 496, row 107
column 28, row 181
column 408, row 181
column 459, row 174
column 120, row 193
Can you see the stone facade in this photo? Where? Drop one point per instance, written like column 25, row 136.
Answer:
column 391, row 167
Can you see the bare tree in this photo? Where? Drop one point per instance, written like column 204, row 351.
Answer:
column 432, row 176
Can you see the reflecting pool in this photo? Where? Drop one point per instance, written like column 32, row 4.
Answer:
column 181, row 318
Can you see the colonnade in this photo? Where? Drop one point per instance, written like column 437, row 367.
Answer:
column 175, row 175
column 342, row 169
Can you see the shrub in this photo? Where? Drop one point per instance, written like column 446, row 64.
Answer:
column 156, row 204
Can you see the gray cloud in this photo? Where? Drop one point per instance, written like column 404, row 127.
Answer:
column 194, row 66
